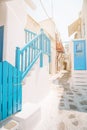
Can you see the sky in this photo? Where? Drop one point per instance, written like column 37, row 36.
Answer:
column 64, row 12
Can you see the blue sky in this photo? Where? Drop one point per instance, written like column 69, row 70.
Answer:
column 64, row 13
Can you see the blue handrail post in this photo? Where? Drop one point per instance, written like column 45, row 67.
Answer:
column 17, row 64
column 49, row 51
column 41, row 48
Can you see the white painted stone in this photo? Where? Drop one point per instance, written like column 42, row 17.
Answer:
column 29, row 116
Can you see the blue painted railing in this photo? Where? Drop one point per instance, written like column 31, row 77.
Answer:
column 29, row 35
column 34, row 49
column 10, row 90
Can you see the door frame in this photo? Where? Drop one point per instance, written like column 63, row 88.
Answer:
column 2, row 45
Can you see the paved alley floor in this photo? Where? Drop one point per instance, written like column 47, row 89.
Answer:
column 65, row 108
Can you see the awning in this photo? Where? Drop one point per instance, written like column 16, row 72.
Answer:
column 59, row 47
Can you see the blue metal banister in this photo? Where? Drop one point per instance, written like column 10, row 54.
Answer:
column 29, row 35
column 26, row 30
column 34, row 49
column 47, row 46
column 29, row 43
column 17, row 58
column 41, row 48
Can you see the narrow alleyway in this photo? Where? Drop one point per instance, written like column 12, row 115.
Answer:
column 65, row 108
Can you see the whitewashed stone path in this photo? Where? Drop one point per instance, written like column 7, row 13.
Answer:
column 65, row 108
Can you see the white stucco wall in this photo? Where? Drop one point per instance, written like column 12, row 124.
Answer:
column 84, row 24
column 32, row 25
column 3, row 21
column 49, row 26
column 53, row 59
column 36, row 85
column 13, row 17
column 84, row 19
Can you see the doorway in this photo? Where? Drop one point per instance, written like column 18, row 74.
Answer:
column 1, row 42
column 65, row 65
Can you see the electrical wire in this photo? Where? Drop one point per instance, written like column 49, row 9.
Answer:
column 44, row 8
column 52, row 10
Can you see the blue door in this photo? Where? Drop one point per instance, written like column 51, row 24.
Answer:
column 79, row 55
column 1, row 42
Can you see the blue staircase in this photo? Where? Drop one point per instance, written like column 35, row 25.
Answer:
column 11, row 77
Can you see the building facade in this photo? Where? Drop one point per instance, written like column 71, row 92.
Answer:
column 14, row 52
column 79, row 49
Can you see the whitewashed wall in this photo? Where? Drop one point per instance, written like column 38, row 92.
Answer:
column 37, row 85
column 32, row 25
column 13, row 17
column 53, row 59
column 84, row 23
column 84, row 19
column 3, row 21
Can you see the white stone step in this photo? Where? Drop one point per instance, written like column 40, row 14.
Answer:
column 29, row 116
column 79, row 78
column 9, row 124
